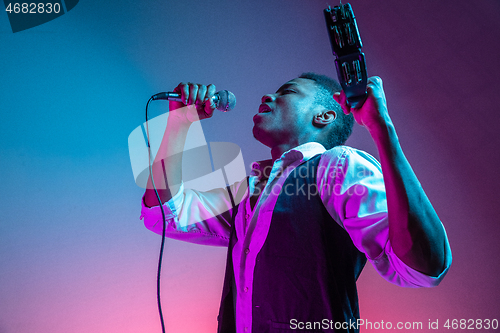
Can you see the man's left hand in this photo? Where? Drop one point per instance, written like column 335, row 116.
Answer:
column 373, row 112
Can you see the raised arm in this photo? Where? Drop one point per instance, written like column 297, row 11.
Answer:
column 197, row 104
column 415, row 231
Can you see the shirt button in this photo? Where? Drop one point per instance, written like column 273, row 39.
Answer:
column 247, row 216
column 245, row 289
column 246, row 329
column 247, row 251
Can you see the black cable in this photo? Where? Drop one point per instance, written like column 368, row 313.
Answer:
column 163, row 219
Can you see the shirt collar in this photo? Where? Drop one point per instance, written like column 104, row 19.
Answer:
column 303, row 153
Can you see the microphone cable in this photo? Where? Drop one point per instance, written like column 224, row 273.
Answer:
column 160, row 259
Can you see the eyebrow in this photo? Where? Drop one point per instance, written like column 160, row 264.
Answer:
column 286, row 85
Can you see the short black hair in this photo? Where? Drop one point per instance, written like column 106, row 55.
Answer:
column 343, row 123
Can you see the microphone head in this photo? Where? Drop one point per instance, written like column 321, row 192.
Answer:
column 226, row 101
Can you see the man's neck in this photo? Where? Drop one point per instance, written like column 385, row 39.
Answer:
column 278, row 150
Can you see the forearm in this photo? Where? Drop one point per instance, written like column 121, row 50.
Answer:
column 167, row 166
column 415, row 231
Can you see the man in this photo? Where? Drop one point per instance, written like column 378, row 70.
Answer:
column 301, row 227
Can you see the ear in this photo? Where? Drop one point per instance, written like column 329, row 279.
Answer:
column 325, row 118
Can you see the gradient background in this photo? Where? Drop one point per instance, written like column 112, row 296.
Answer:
column 74, row 256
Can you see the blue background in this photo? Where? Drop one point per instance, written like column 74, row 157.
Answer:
column 74, row 256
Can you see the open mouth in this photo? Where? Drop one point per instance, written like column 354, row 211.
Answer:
column 264, row 108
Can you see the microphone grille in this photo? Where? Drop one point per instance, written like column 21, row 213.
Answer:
column 227, row 101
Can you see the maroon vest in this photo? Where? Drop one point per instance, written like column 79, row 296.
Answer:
column 306, row 270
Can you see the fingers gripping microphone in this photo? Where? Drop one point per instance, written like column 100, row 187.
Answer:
column 224, row 100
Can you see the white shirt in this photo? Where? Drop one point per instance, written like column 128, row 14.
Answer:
column 351, row 187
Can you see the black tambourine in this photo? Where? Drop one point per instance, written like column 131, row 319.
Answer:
column 346, row 46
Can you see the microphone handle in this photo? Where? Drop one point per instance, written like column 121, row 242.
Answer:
column 224, row 100
column 171, row 96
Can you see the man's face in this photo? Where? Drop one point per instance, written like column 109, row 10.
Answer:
column 286, row 116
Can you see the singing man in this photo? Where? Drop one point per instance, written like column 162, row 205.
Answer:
column 301, row 227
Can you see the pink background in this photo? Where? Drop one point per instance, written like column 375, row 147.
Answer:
column 74, row 256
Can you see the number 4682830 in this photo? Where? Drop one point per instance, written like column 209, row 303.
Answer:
column 33, row 8
column 471, row 324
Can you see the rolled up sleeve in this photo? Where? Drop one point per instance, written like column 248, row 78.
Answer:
column 194, row 216
column 356, row 199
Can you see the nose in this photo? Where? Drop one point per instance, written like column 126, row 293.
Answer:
column 267, row 98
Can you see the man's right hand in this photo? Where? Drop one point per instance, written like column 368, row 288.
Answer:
column 167, row 168
column 197, row 98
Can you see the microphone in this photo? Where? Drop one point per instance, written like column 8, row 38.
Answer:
column 224, row 100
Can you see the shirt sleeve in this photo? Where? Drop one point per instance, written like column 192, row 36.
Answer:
column 195, row 216
column 352, row 189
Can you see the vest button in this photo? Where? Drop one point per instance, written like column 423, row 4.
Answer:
column 247, row 251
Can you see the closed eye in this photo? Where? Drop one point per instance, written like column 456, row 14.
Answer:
column 287, row 88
